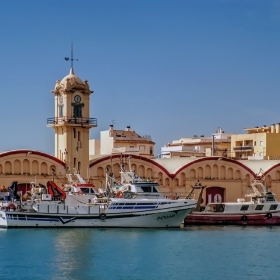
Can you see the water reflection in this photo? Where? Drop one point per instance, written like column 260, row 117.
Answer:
column 206, row 252
column 74, row 251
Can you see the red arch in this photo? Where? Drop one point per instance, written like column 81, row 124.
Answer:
column 132, row 156
column 214, row 158
column 16, row 152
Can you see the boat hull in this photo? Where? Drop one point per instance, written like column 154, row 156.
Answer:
column 160, row 219
column 233, row 219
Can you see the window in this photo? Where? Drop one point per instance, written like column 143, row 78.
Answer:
column 244, row 207
column 273, row 207
column 151, row 150
column 74, row 162
column 155, row 189
column 79, row 135
column 146, row 189
column 60, row 111
column 77, row 111
column 85, row 190
column 79, row 165
column 261, row 143
column 142, row 148
column 259, row 207
column 74, row 132
column 255, row 143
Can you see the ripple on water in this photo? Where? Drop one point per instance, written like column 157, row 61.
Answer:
column 200, row 252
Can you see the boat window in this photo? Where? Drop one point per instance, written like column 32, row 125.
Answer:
column 259, row 207
column 130, row 204
column 146, row 189
column 148, row 203
column 270, row 198
column 155, row 189
column 273, row 207
column 121, row 203
column 85, row 190
column 219, row 208
column 244, row 207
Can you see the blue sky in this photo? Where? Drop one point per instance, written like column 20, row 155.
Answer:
column 168, row 69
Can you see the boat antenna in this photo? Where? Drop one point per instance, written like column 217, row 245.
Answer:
column 71, row 59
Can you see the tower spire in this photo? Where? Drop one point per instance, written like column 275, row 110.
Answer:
column 71, row 59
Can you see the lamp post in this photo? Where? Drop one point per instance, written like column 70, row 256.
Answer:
column 28, row 153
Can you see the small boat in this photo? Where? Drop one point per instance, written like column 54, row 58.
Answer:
column 79, row 205
column 261, row 209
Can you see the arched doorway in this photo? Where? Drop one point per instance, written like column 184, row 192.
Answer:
column 215, row 194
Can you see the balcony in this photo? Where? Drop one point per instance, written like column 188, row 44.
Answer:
column 124, row 150
column 243, row 149
column 91, row 122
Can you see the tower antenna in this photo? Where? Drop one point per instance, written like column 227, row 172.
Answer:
column 72, row 59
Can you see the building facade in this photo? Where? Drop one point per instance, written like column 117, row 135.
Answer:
column 218, row 144
column 125, row 141
column 258, row 143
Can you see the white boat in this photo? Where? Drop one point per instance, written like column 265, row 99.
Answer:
column 80, row 206
column 261, row 209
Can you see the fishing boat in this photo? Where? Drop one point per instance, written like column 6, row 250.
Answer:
column 79, row 205
column 261, row 209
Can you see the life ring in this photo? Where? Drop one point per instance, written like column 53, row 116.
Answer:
column 102, row 216
column 119, row 194
column 268, row 215
column 244, row 218
column 11, row 206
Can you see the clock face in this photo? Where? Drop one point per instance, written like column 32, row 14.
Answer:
column 77, row 98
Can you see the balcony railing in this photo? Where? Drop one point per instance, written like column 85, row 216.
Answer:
column 243, row 149
column 72, row 120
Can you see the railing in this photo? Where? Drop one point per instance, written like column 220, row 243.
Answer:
column 168, row 195
column 242, row 148
column 72, row 120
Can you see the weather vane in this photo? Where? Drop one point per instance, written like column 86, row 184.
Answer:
column 72, row 59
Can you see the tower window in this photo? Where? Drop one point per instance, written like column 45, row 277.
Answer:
column 77, row 111
column 79, row 165
column 74, row 162
column 74, row 132
column 79, row 136
column 60, row 111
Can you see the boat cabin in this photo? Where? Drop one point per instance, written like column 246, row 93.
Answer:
column 144, row 187
column 83, row 189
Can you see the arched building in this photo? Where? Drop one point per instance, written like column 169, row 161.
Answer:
column 226, row 179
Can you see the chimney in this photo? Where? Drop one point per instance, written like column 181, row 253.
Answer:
column 111, row 129
column 273, row 128
column 277, row 128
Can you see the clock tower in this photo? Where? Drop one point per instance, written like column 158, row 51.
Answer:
column 72, row 122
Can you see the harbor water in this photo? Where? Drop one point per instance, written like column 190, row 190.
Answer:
column 194, row 252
